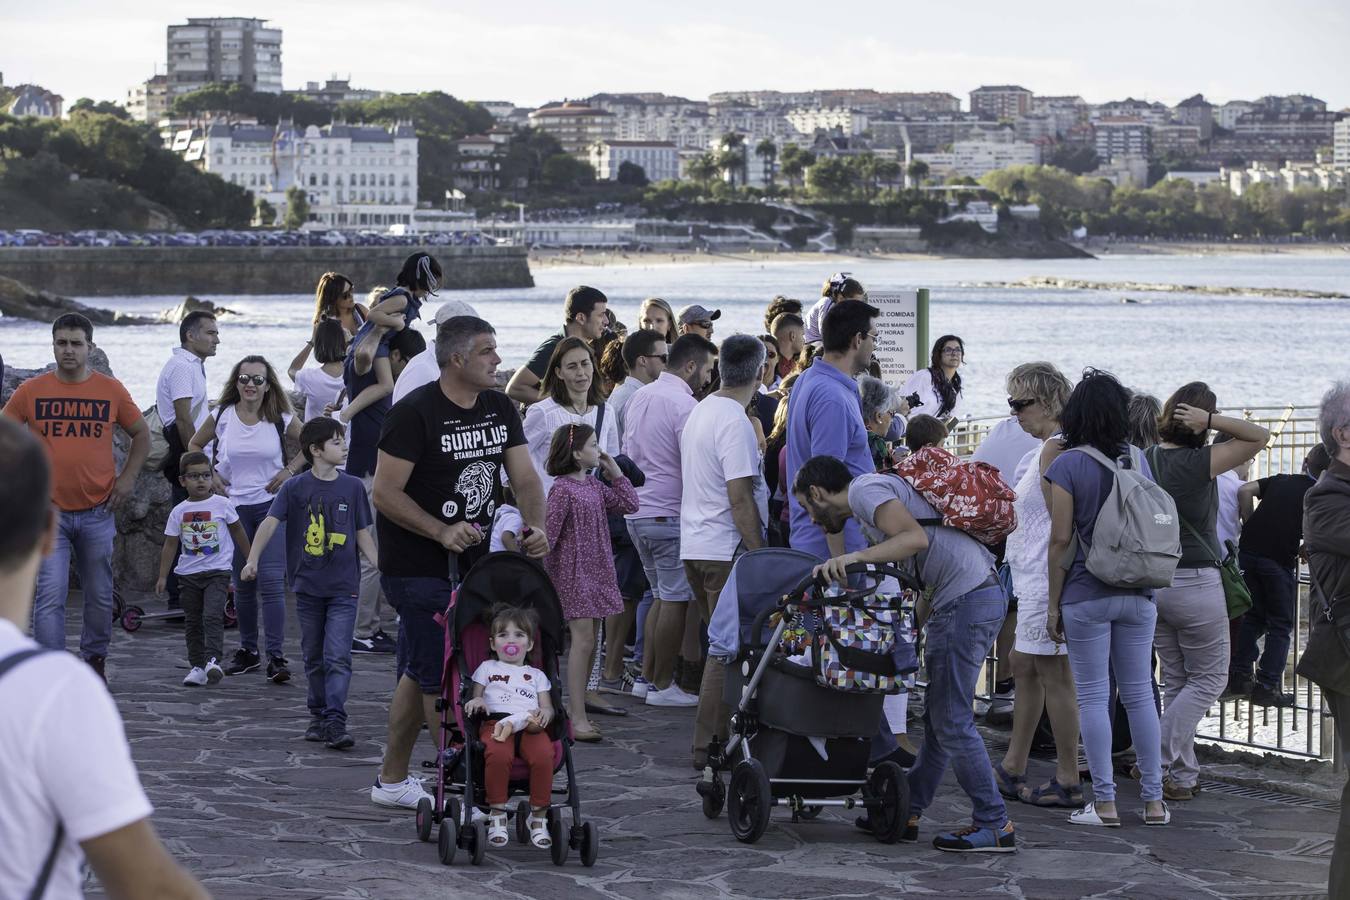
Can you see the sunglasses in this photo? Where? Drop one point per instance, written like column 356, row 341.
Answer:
column 661, row 356
column 1019, row 405
column 256, row 380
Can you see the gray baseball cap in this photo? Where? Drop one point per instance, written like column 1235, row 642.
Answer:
column 696, row 314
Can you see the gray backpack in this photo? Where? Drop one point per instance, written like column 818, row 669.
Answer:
column 1136, row 542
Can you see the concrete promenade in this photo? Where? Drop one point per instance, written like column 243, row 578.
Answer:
column 256, row 812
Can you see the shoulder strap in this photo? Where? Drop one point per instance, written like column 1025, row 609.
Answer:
column 599, row 422
column 45, row 873
column 1195, row 534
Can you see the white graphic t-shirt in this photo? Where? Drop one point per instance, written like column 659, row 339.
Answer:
column 203, row 531
column 513, row 690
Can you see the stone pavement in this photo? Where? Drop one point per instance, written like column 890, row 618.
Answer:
column 256, row 812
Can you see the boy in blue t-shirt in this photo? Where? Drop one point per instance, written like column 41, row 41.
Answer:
column 327, row 520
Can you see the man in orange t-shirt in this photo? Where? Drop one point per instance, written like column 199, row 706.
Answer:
column 72, row 411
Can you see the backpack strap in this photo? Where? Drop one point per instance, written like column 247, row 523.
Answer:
column 49, row 863
column 599, row 422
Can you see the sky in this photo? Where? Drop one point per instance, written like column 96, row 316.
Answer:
column 531, row 52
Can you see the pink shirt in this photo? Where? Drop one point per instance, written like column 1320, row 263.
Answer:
column 653, row 421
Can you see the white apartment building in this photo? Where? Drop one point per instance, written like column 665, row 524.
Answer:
column 231, row 50
column 1227, row 115
column 1287, row 177
column 149, row 101
column 660, row 160
column 809, row 120
column 1064, row 112
column 976, row 158
column 1117, row 136
column 1340, row 143
column 354, row 176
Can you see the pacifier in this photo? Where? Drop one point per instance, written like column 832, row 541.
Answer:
column 511, row 649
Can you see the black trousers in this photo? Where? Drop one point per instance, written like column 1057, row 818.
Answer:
column 1338, row 880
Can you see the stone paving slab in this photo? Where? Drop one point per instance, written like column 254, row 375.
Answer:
column 256, row 812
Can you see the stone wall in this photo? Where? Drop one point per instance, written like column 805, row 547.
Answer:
column 207, row 271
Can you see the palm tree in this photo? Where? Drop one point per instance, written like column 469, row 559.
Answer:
column 918, row 171
column 704, row 169
column 767, row 151
column 733, row 158
column 795, row 162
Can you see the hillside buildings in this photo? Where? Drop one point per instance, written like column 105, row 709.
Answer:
column 1000, row 102
column 576, row 125
column 31, row 100
column 230, row 51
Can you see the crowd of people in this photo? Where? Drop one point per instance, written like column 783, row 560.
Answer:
column 637, row 465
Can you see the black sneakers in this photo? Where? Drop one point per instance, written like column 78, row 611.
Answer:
column 337, row 738
column 1264, row 696
column 98, row 664
column 277, row 672
column 382, row 643
column 316, row 731
column 243, row 661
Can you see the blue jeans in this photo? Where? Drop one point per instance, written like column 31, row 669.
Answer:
column 271, row 582
column 643, row 605
column 1274, row 592
column 327, row 626
column 89, row 535
column 1115, row 633
column 959, row 638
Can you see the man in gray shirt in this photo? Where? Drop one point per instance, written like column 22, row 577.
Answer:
column 966, row 610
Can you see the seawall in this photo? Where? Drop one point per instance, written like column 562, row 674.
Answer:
column 204, row 271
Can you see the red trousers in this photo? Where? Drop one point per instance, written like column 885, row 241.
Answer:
column 537, row 751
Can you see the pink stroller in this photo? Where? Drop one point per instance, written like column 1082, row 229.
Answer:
column 498, row 578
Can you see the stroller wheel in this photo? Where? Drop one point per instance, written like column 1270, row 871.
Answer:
column 559, row 836
column 424, row 819
column 445, row 841
column 714, row 796
column 452, row 813
column 523, row 822
column 590, row 844
column 890, row 789
column 749, row 801
column 478, row 843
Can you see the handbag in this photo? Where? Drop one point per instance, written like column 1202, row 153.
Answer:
column 1236, row 595
column 1325, row 659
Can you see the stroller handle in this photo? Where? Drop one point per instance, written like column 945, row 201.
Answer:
column 879, row 570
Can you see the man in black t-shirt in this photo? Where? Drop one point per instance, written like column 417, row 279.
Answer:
column 438, row 481
column 1268, row 555
column 583, row 317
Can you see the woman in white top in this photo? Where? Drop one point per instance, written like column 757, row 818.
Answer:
column 321, row 386
column 1037, row 393
column 248, row 426
column 572, row 396
column 939, row 386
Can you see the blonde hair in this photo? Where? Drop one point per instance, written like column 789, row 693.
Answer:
column 1043, row 382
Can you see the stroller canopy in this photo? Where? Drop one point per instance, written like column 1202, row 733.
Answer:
column 759, row 579
column 507, row 577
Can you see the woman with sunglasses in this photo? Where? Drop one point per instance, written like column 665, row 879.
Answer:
column 1037, row 392
column 939, row 386
column 250, row 427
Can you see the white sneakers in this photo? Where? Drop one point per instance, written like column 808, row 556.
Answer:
column 199, row 676
column 400, row 795
column 195, row 678
column 213, row 671
column 671, row 696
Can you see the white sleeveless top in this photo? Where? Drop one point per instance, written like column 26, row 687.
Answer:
column 248, row 456
column 1028, row 545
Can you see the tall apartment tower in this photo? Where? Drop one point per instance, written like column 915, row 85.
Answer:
column 230, row 50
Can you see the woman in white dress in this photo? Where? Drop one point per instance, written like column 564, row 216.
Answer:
column 1037, row 393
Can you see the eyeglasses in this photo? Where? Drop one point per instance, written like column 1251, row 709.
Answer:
column 256, row 380
column 954, row 350
column 1019, row 405
column 873, row 335
column 197, row 476
column 660, row 356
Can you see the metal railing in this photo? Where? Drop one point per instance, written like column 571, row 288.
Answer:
column 1304, row 729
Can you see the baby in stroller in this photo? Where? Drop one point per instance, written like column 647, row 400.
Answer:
column 515, row 697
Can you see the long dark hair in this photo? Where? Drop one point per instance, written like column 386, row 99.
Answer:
column 555, row 387
column 274, row 403
column 1097, row 414
column 420, row 272
column 332, row 287
column 948, row 390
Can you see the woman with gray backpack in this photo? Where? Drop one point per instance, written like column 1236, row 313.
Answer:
column 1113, row 539
column 1192, row 636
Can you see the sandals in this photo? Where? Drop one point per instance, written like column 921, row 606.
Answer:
column 539, row 831
column 587, row 735
column 1010, row 786
column 1088, row 815
column 496, row 829
column 1052, row 794
column 1164, row 819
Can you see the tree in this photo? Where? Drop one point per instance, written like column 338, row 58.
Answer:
column 265, row 214
column 733, row 159
column 887, row 172
column 795, row 162
column 84, row 104
column 917, row 171
column 630, row 173
column 832, row 178
column 564, row 172
column 1076, row 158
column 1019, row 190
column 767, row 151
column 704, row 169
column 297, row 208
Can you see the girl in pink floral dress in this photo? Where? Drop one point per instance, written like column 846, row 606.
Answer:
column 581, row 561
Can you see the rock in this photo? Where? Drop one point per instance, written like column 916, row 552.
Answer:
column 22, row 302
column 190, row 304
column 1075, row 284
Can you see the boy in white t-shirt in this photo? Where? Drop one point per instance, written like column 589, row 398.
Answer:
column 509, row 686
column 507, row 525
column 207, row 528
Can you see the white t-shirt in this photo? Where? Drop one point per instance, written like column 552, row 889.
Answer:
column 420, row 370
column 203, row 531
column 248, row 456
column 513, row 690
column 65, row 760
column 718, row 445
column 1004, row 448
column 921, row 383
column 318, row 388
column 507, row 519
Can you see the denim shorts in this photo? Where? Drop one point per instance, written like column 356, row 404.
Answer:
column 421, row 641
column 657, row 540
